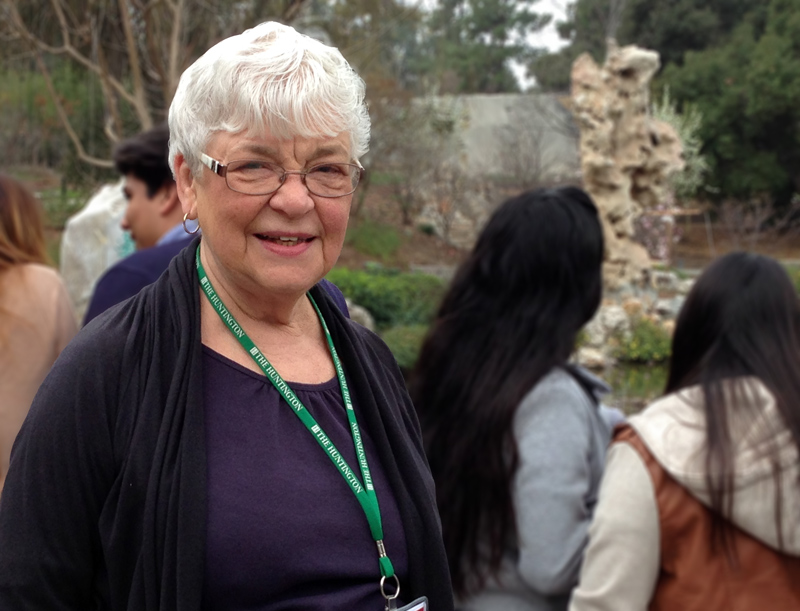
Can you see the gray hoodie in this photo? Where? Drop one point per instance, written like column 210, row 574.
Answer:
column 562, row 435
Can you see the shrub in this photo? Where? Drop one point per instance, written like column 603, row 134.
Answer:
column 427, row 229
column 60, row 204
column 634, row 386
column 648, row 342
column 393, row 298
column 794, row 274
column 374, row 239
column 405, row 342
column 688, row 125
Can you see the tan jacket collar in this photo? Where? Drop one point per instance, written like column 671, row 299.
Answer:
column 674, row 430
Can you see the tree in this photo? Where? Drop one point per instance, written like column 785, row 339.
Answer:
column 528, row 160
column 378, row 37
column 135, row 49
column 588, row 25
column 380, row 40
column 670, row 27
column 418, row 143
column 471, row 42
column 673, row 27
column 747, row 91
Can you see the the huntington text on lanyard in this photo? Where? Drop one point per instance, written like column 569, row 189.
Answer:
column 365, row 493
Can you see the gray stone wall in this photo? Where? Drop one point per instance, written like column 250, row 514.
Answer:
column 494, row 123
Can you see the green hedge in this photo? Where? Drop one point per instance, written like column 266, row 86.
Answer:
column 374, row 239
column 393, row 298
column 794, row 274
column 405, row 342
column 648, row 342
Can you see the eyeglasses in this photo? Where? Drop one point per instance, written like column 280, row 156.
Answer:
column 258, row 177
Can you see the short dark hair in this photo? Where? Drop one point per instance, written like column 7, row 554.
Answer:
column 511, row 315
column 146, row 156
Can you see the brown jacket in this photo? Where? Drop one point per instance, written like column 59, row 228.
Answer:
column 649, row 543
column 692, row 577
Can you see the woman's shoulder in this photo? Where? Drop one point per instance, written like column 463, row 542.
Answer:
column 674, row 427
column 558, row 385
column 170, row 305
column 106, row 359
column 33, row 290
column 96, row 350
column 39, row 271
column 558, row 396
column 370, row 339
column 32, row 276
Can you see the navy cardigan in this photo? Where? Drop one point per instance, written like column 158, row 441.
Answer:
column 104, row 506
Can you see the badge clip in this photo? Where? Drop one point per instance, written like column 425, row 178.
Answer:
column 391, row 603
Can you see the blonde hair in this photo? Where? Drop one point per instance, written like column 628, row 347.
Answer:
column 268, row 78
column 21, row 225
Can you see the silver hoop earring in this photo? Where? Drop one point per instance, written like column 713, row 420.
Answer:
column 186, row 218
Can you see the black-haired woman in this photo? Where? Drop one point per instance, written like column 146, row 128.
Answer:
column 514, row 433
column 700, row 505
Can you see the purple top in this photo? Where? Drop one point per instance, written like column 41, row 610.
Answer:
column 285, row 531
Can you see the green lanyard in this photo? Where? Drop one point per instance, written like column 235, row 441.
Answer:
column 364, row 493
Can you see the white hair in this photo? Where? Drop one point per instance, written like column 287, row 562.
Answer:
column 268, row 78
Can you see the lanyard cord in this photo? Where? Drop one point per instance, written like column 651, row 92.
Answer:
column 365, row 494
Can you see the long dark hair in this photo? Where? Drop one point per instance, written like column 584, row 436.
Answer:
column 741, row 318
column 510, row 315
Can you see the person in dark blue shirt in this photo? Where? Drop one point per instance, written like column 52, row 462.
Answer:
column 153, row 219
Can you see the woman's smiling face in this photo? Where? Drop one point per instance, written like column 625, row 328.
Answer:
column 279, row 244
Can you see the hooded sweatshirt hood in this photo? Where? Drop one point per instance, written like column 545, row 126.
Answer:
column 674, row 430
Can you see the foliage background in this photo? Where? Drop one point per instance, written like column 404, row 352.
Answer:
column 734, row 62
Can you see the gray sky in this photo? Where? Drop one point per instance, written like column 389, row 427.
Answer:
column 547, row 38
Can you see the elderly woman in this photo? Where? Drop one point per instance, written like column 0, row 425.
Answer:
column 227, row 439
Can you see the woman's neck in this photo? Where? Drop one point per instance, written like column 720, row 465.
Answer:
column 285, row 328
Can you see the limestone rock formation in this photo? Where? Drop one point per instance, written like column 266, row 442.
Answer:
column 626, row 155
